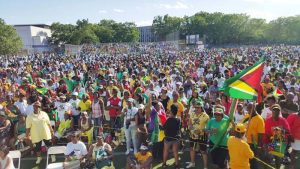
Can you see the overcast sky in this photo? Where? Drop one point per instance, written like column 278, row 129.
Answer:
column 141, row 12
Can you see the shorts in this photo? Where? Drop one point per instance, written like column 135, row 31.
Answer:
column 202, row 143
column 38, row 145
column 219, row 155
column 171, row 142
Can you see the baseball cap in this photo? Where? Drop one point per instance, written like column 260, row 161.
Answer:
column 75, row 93
column 143, row 147
column 240, row 128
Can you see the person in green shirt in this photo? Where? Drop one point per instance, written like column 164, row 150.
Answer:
column 219, row 154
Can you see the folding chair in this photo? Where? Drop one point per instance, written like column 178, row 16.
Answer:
column 16, row 154
column 53, row 151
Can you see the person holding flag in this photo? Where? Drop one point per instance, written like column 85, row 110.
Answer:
column 219, row 153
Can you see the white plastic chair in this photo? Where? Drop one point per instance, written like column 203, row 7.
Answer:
column 16, row 154
column 53, row 151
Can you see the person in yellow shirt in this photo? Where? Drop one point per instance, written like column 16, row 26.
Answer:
column 255, row 132
column 239, row 150
column 39, row 129
column 197, row 122
column 85, row 104
column 141, row 160
column 177, row 102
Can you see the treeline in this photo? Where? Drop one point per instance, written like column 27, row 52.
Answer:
column 106, row 31
column 219, row 28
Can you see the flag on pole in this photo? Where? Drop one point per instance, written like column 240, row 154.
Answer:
column 246, row 84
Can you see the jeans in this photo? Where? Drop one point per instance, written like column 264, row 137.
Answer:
column 131, row 137
column 76, row 119
column 97, row 125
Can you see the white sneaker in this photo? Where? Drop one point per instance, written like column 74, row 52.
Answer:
column 191, row 165
column 53, row 158
column 127, row 152
column 38, row 161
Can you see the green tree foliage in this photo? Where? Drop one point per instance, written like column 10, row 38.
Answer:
column 106, row 31
column 10, row 42
column 219, row 28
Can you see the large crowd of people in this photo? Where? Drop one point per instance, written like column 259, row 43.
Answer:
column 153, row 98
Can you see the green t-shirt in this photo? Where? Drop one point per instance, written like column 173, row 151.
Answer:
column 212, row 124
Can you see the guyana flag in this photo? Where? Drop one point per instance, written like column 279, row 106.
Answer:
column 246, row 84
column 277, row 93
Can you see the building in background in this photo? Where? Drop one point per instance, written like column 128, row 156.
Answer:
column 34, row 37
column 146, row 34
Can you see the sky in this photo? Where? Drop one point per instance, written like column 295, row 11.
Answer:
column 141, row 12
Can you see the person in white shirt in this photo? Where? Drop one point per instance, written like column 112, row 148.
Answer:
column 21, row 104
column 240, row 114
column 74, row 102
column 130, row 125
column 6, row 162
column 267, row 112
column 75, row 152
column 62, row 107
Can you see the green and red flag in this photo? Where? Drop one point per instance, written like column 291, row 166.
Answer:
column 246, row 84
column 277, row 93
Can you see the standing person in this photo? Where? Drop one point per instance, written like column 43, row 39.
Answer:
column 172, row 133
column 239, row 150
column 97, row 112
column 38, row 127
column 267, row 112
column 240, row 114
column 142, row 132
column 197, row 122
column 288, row 105
column 6, row 162
column 74, row 102
column 62, row 107
column 130, row 125
column 86, row 127
column 294, row 122
column 21, row 104
column 220, row 154
column 273, row 124
column 255, row 133
column 114, row 104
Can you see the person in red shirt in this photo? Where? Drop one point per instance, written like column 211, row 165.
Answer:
column 294, row 122
column 275, row 121
column 114, row 106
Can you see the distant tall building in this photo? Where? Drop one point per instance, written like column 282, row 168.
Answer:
column 34, row 37
column 146, row 34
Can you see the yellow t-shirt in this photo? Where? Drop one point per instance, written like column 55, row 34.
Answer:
column 198, row 122
column 142, row 158
column 179, row 104
column 64, row 125
column 256, row 125
column 239, row 153
column 84, row 106
column 39, row 127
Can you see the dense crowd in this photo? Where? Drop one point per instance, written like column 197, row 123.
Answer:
column 153, row 98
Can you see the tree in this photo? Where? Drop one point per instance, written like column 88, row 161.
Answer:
column 61, row 33
column 10, row 42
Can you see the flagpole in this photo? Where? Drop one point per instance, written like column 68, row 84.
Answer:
column 232, row 109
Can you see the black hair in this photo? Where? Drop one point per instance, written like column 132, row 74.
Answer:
column 174, row 109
